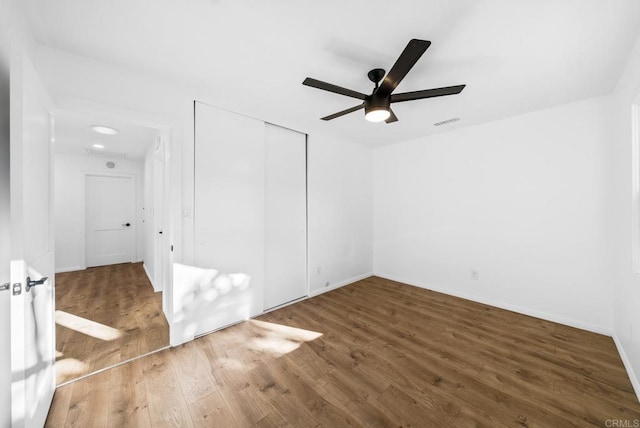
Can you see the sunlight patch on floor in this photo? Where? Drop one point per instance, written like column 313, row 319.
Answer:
column 70, row 368
column 88, row 327
column 279, row 339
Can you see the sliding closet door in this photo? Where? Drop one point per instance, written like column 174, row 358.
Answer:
column 285, row 216
column 249, row 222
column 229, row 219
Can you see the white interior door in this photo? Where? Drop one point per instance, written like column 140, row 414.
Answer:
column 5, row 249
column 110, row 220
column 32, row 310
column 285, row 216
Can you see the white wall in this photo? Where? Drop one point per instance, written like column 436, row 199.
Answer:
column 70, row 207
column 520, row 200
column 340, row 203
column 626, row 290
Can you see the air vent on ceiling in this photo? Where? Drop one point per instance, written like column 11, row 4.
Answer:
column 446, row 122
column 105, row 154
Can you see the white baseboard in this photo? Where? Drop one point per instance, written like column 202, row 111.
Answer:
column 70, row 269
column 319, row 291
column 627, row 365
column 508, row 306
column 144, row 266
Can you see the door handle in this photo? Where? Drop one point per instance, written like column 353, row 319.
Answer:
column 127, row 224
column 33, row 283
column 160, row 232
column 5, row 286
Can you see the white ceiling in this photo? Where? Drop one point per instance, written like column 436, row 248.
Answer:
column 74, row 135
column 514, row 56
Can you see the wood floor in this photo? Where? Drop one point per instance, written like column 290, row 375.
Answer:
column 105, row 315
column 374, row 353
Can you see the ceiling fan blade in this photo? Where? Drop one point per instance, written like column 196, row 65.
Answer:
column 392, row 118
column 343, row 112
column 333, row 88
column 408, row 58
column 427, row 93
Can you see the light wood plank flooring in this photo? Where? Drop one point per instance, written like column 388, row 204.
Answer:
column 374, row 353
column 106, row 315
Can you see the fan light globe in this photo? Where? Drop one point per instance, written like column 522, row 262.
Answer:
column 377, row 115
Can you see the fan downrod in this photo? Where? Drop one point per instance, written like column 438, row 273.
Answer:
column 376, row 75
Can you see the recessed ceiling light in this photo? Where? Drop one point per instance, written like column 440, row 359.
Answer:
column 105, row 130
column 97, row 146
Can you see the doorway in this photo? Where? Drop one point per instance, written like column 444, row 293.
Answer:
column 108, row 229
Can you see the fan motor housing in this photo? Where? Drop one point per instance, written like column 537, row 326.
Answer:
column 373, row 102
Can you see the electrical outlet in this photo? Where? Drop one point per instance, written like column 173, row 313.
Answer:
column 326, row 284
column 474, row 274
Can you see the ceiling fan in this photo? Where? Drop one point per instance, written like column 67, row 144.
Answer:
column 377, row 106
